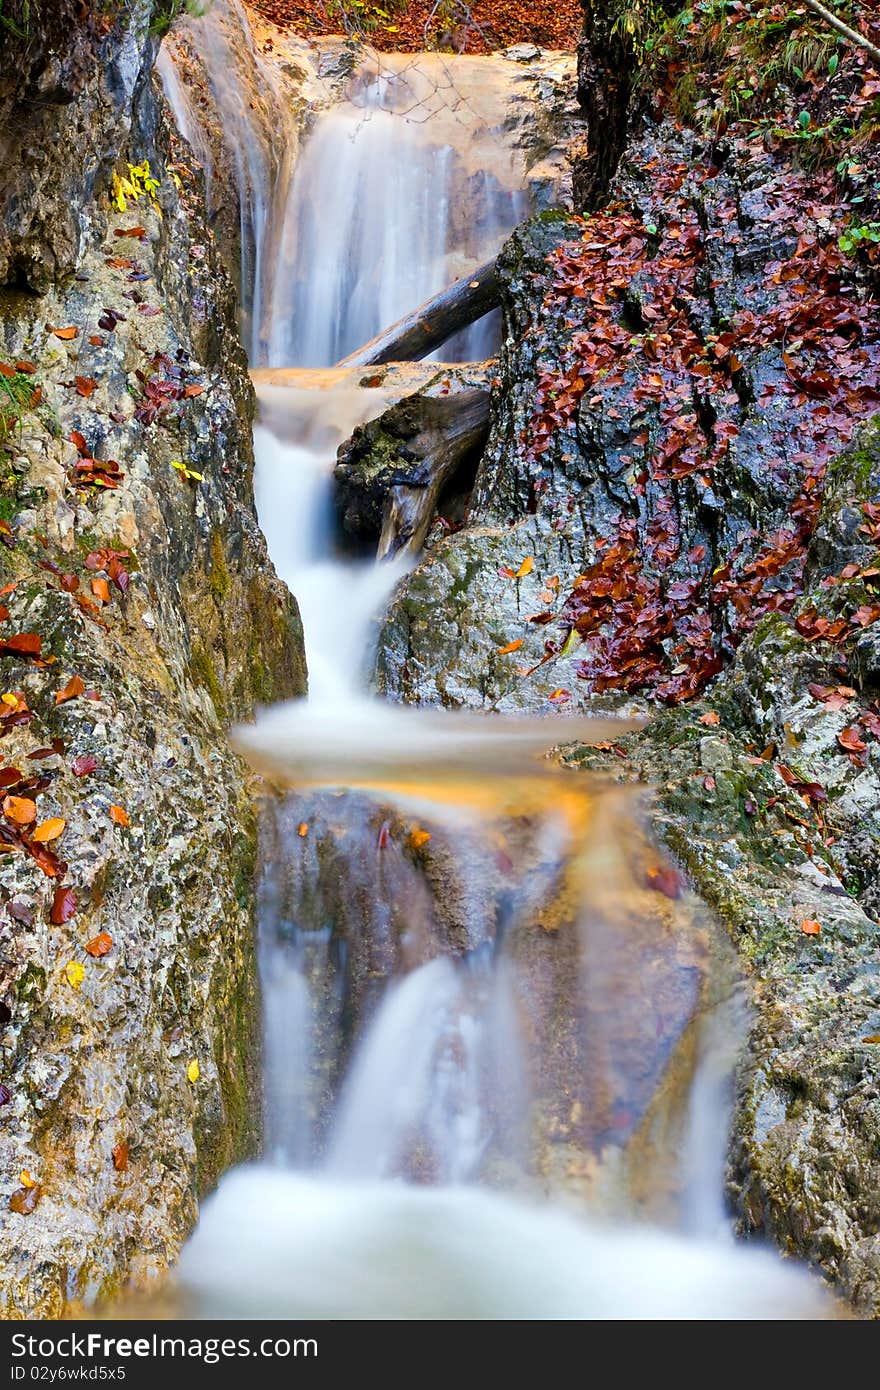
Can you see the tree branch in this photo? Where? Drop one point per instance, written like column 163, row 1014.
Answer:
column 853, row 35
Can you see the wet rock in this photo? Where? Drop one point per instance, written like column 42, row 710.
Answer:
column 393, row 449
column 152, row 1042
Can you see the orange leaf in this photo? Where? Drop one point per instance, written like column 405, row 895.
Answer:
column 119, row 816
column 851, row 739
column 19, row 809
column 49, row 830
column 810, row 927
column 75, row 686
column 99, row 945
column 526, row 567
column 64, row 333
column 419, row 837
column 101, row 590
column 85, row 385
column 710, row 718
column 302, row 829
column 511, row 647
column 120, row 1156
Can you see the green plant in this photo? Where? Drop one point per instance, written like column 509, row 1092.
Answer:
column 18, row 395
column 20, row 29
column 196, row 8
column 854, row 238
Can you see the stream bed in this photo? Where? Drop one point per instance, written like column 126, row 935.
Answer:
column 499, row 1032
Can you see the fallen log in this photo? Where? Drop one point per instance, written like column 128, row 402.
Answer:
column 391, row 473
column 432, row 323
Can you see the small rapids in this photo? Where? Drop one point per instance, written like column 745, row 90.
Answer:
column 497, row 1060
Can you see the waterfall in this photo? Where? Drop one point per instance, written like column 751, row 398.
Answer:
column 477, row 1017
column 368, row 232
column 244, row 142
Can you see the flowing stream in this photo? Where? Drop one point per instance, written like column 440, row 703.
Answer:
column 497, row 1064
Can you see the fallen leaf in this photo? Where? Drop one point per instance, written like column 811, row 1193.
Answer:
column 75, row 686
column 851, row 739
column 302, row 829
column 64, row 333
column 99, row 945
column 5, row 1095
column 85, row 385
column 192, row 1071
column 101, row 590
column 872, row 1038
column 418, row 837
column 710, row 718
column 25, row 1179
column 120, row 1156
column 526, row 567
column 21, row 644
column 84, row 764
column 664, row 879
column 24, row 1199
column 63, row 908
column 511, row 647
column 810, row 927
column 75, row 974
column 19, row 809
column 49, row 830
column 119, row 816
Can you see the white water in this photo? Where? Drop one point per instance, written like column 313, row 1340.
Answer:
column 308, row 1247
column 332, row 1224
column 236, row 72
column 367, row 231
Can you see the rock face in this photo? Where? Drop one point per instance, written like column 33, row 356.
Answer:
column 130, row 1021
column 651, row 516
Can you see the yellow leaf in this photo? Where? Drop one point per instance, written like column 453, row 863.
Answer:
column 75, row 974
column 571, row 641
column 302, row 829
column 49, row 830
column 419, row 837
column 192, row 1071
column 25, row 1179
column 872, row 1038
column 526, row 567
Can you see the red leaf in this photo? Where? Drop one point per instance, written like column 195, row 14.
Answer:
column 63, row 906
column 21, row 644
column 84, row 765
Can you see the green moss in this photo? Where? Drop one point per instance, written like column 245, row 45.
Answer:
column 233, row 1135
column 218, row 575
column 31, row 985
column 205, row 675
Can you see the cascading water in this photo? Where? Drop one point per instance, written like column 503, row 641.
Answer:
column 466, row 983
